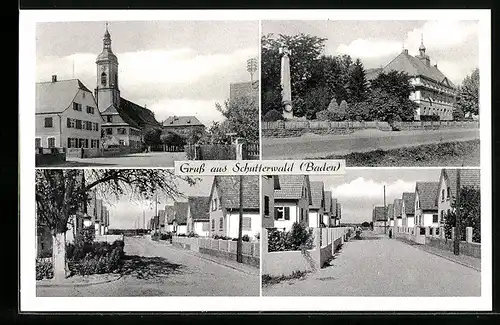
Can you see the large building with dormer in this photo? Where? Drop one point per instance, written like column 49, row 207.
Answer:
column 124, row 121
column 434, row 93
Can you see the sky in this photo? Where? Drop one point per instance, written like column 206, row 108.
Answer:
column 452, row 45
column 126, row 212
column 172, row 67
column 358, row 191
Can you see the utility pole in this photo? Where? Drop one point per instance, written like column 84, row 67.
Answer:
column 157, row 224
column 239, row 245
column 458, row 219
column 385, row 215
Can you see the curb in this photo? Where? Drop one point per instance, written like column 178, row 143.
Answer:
column 209, row 259
column 48, row 285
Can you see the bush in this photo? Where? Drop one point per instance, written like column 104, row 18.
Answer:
column 221, row 237
column 44, row 269
column 102, row 258
column 257, row 236
column 155, row 236
column 272, row 116
column 245, row 238
column 192, row 234
column 298, row 238
column 427, row 118
column 324, row 115
column 166, row 236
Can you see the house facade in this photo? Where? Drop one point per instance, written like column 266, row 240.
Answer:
column 426, row 210
column 317, row 206
column 390, row 214
column 339, row 214
column 380, row 219
column 180, row 218
column 292, row 201
column 169, row 218
column 270, row 183
column 327, row 214
column 447, row 189
column 408, row 209
column 185, row 126
column 398, row 212
column 198, row 217
column 66, row 115
column 434, row 93
column 225, row 206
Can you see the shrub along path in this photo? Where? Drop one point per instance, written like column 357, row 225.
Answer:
column 379, row 266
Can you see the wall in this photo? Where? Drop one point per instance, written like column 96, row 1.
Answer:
column 314, row 218
column 108, row 238
column 296, row 129
column 267, row 189
column 44, row 133
column 466, row 248
column 198, row 228
column 232, row 223
column 427, row 220
column 52, row 156
column 294, row 214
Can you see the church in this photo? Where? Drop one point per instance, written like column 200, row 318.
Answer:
column 434, row 93
column 124, row 121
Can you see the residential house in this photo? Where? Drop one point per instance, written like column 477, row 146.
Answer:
column 317, row 206
column 408, row 210
column 125, row 122
column 380, row 219
column 447, row 190
column 327, row 214
column 169, row 218
column 398, row 212
column 426, row 210
column 270, row 183
column 180, row 217
column 198, row 217
column 390, row 214
column 339, row 214
column 225, row 206
column 334, row 217
column 66, row 115
column 292, row 201
column 185, row 126
column 161, row 220
column 434, row 93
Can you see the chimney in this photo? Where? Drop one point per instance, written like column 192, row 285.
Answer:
column 54, row 78
column 435, row 66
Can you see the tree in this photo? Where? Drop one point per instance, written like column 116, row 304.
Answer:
column 458, row 114
column 365, row 224
column 217, row 133
column 358, row 85
column 242, row 116
column 359, row 111
column 468, row 94
column 324, row 115
column 272, row 116
column 61, row 193
column 315, row 100
column 470, row 213
column 152, row 137
column 172, row 139
column 343, row 110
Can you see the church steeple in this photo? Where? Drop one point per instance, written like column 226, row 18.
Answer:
column 421, row 49
column 107, row 92
column 422, row 56
column 106, row 40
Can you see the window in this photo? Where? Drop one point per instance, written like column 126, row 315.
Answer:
column 442, row 195
column 442, row 216
column 282, row 213
column 103, row 79
column 213, row 224
column 247, row 223
column 204, row 226
column 78, row 124
column 109, row 131
column 122, row 131
column 109, row 118
column 214, row 204
column 90, row 110
column 266, row 205
column 51, row 142
column 435, row 218
column 221, row 223
column 38, row 142
column 77, row 107
column 97, row 143
column 122, row 142
column 86, row 143
column 68, row 123
column 48, row 122
column 448, row 193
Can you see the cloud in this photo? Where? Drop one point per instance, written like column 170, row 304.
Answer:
column 369, row 189
column 361, row 48
column 442, row 34
column 204, row 110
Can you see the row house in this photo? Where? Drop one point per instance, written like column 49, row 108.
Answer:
column 270, row 183
column 198, row 216
column 225, row 206
column 317, row 207
column 408, row 209
column 292, row 201
column 390, row 214
column 398, row 213
column 426, row 211
column 380, row 219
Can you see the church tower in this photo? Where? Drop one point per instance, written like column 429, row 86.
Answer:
column 107, row 92
column 421, row 50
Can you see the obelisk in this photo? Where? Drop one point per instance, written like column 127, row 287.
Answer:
column 286, row 86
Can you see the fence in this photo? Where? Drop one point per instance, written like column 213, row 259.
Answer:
column 221, row 151
column 49, row 156
column 221, row 248
column 108, row 238
column 297, row 128
column 283, row 263
column 436, row 237
column 101, row 152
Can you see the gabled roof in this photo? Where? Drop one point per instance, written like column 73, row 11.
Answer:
column 161, row 214
column 468, row 177
column 291, row 187
column 243, row 89
column 379, row 214
column 398, row 207
column 328, row 202
column 372, row 73
column 317, row 194
column 181, row 210
column 409, row 200
column 182, row 121
column 141, row 115
column 339, row 210
column 334, row 207
column 55, row 97
column 112, row 109
column 169, row 214
column 427, row 194
column 415, row 67
column 390, row 211
column 228, row 188
column 199, row 207
column 276, row 180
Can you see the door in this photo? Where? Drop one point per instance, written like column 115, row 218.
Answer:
column 51, row 142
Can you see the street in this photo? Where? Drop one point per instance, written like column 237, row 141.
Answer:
column 156, row 269
column 379, row 266
column 149, row 159
column 317, row 146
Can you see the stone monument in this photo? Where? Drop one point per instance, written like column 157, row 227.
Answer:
column 286, row 86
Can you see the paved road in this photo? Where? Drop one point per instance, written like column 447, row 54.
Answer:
column 378, row 266
column 316, row 146
column 150, row 159
column 159, row 270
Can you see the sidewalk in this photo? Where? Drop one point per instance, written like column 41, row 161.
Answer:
column 471, row 262
column 245, row 268
column 79, row 280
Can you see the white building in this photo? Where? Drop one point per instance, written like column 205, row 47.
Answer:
column 317, row 206
column 198, row 219
column 292, row 201
column 426, row 210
